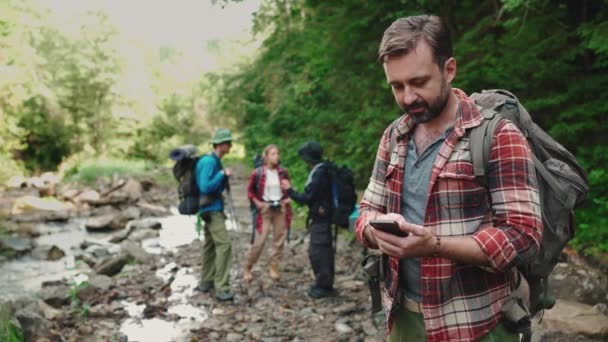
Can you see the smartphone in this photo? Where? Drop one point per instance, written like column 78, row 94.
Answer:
column 388, row 226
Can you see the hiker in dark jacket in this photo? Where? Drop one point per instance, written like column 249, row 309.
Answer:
column 212, row 179
column 317, row 195
column 273, row 211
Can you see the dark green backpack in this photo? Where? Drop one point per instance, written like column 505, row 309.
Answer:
column 562, row 184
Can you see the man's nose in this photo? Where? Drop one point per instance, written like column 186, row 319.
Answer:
column 409, row 96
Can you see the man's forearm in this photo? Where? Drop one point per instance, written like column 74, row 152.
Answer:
column 462, row 249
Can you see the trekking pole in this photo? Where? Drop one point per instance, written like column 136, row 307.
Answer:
column 235, row 222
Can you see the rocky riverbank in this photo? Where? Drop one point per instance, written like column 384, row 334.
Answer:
column 114, row 263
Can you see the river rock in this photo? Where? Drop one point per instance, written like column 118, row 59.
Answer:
column 100, row 223
column 120, row 235
column 143, row 234
column 579, row 283
column 17, row 245
column 343, row 328
column 135, row 251
column 97, row 285
column 41, row 216
column 32, row 203
column 16, row 182
column 146, row 223
column 112, row 265
column 32, row 322
column 87, row 196
column 46, row 252
column 133, row 190
column 233, row 337
column 113, row 221
column 68, row 194
column 572, row 318
column 55, row 296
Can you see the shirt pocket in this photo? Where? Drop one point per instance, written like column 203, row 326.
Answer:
column 391, row 171
column 457, row 188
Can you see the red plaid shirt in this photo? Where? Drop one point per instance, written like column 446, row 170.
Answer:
column 462, row 302
column 257, row 191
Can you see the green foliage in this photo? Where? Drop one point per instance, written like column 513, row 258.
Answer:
column 316, row 77
column 10, row 331
column 89, row 170
column 82, row 310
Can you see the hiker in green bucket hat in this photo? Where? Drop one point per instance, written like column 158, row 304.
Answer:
column 212, row 180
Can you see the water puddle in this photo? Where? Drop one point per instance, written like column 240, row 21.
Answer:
column 158, row 330
column 177, row 230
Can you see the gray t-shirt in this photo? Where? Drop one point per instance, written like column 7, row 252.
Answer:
column 414, row 194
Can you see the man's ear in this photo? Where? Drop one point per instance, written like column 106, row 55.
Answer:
column 449, row 69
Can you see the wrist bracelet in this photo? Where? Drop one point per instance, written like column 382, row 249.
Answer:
column 437, row 246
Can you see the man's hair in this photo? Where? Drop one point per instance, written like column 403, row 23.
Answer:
column 404, row 34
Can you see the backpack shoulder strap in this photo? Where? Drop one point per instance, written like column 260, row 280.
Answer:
column 258, row 176
column 480, row 142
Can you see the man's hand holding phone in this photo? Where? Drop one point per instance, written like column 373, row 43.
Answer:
column 396, row 237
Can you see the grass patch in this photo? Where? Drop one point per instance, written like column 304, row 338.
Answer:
column 88, row 171
column 10, row 330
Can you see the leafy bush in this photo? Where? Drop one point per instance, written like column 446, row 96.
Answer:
column 88, row 171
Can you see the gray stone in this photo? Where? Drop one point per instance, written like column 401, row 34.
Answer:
column 120, row 235
column 572, row 318
column 32, row 322
column 147, row 223
column 132, row 190
column 130, row 214
column 112, row 265
column 368, row 328
column 601, row 308
column 100, row 223
column 343, row 328
column 143, row 234
column 55, row 296
column 16, row 182
column 41, row 216
column 233, row 337
column 17, row 244
column 97, row 285
column 579, row 283
column 46, row 252
column 135, row 251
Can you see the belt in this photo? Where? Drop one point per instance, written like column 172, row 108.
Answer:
column 409, row 304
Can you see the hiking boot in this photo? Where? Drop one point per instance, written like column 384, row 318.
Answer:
column 247, row 274
column 274, row 272
column 319, row 292
column 224, row 296
column 204, row 287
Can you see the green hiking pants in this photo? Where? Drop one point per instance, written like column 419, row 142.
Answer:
column 217, row 252
column 409, row 327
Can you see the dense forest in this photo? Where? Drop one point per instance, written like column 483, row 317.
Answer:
column 75, row 90
column 317, row 77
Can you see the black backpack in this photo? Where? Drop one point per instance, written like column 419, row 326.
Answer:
column 184, row 171
column 344, row 196
column 562, row 186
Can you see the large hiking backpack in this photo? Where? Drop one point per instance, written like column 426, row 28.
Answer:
column 343, row 194
column 562, row 184
column 184, row 171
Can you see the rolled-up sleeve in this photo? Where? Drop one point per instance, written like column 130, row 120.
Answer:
column 516, row 234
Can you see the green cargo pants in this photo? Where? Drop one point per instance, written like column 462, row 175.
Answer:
column 409, row 327
column 217, row 253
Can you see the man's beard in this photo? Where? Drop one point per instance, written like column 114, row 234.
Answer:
column 432, row 110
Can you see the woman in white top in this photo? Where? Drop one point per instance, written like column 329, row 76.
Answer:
column 273, row 210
